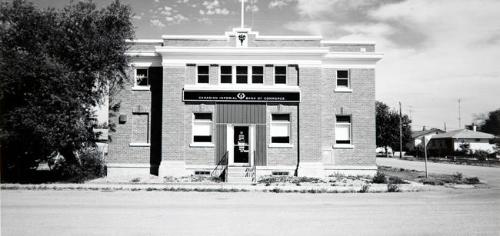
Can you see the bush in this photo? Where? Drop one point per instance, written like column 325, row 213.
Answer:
column 364, row 188
column 393, row 188
column 379, row 178
column 472, row 180
column 91, row 166
column 481, row 155
column 396, row 180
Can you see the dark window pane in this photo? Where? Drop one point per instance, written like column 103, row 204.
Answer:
column 203, row 116
column 280, row 139
column 342, row 83
column 343, row 141
column 142, row 77
column 257, row 70
column 281, row 117
column 203, row 79
column 280, row 79
column 343, row 119
column 226, row 79
column 342, row 74
column 241, row 70
column 241, row 79
column 142, row 81
column 199, row 138
column 226, row 69
column 202, row 69
column 280, row 70
column 257, row 79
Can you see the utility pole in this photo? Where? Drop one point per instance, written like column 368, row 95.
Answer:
column 459, row 115
column 242, row 13
column 425, row 155
column 400, row 133
column 445, row 126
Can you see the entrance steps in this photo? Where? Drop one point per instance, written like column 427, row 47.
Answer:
column 238, row 174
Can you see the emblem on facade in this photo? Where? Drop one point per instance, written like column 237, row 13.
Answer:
column 240, row 96
column 241, row 37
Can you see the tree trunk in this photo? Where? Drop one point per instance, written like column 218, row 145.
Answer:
column 386, row 153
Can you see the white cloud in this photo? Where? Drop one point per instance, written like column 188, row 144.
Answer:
column 156, row 22
column 214, row 8
column 279, row 3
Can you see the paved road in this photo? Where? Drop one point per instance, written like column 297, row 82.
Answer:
column 450, row 212
column 491, row 175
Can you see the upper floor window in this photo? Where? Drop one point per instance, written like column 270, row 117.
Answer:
column 280, row 128
column 141, row 77
column 343, row 79
column 203, row 74
column 241, row 74
column 343, row 129
column 280, row 74
column 202, row 128
column 226, row 74
column 257, row 74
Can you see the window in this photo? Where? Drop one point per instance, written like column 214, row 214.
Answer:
column 241, row 74
column 257, row 74
column 280, row 128
column 202, row 128
column 280, row 75
column 203, row 74
column 343, row 130
column 140, row 128
column 226, row 74
column 342, row 79
column 141, row 77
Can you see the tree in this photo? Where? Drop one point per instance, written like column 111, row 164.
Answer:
column 55, row 66
column 492, row 123
column 387, row 127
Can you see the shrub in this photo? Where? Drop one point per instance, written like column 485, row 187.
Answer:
column 364, row 188
column 472, row 180
column 458, row 176
column 91, row 166
column 379, row 178
column 396, row 180
column 481, row 155
column 135, row 180
column 393, row 188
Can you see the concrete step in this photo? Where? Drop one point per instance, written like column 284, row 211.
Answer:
column 232, row 179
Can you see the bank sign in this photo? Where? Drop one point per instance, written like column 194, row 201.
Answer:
column 235, row 96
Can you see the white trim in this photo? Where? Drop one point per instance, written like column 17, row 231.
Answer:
column 204, row 144
column 127, row 165
column 250, row 50
column 288, row 37
column 139, row 144
column 137, row 41
column 343, row 146
column 196, row 80
column 141, row 54
column 343, row 90
column 196, row 37
column 276, row 167
column 141, row 64
column 334, row 42
column 241, row 87
column 141, row 88
column 354, row 55
column 348, row 65
column 346, row 167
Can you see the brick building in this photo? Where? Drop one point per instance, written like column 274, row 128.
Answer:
column 263, row 105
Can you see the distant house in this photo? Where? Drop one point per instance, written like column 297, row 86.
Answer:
column 417, row 136
column 447, row 143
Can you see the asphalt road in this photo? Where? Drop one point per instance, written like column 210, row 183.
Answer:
column 447, row 212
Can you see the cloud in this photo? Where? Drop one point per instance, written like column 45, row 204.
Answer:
column 157, row 23
column 171, row 15
column 280, row 3
column 213, row 8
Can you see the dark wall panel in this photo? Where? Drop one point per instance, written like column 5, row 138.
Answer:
column 156, row 74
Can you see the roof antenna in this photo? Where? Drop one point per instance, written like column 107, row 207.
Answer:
column 242, row 13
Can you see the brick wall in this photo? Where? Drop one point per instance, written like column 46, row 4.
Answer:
column 172, row 110
column 197, row 155
column 309, row 110
column 282, row 155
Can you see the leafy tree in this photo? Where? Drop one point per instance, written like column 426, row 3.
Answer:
column 387, row 127
column 55, row 67
column 492, row 123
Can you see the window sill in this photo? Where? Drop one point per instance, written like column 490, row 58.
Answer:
column 141, row 88
column 343, row 90
column 139, row 144
column 280, row 145
column 201, row 145
column 343, row 146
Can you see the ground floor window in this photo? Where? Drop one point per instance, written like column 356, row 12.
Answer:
column 343, row 129
column 280, row 128
column 202, row 127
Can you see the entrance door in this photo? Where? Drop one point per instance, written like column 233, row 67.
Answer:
column 241, row 144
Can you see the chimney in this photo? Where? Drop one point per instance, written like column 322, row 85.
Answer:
column 424, row 128
column 474, row 127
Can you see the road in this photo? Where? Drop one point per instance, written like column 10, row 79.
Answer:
column 447, row 212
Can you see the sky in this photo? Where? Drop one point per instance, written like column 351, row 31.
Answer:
column 435, row 52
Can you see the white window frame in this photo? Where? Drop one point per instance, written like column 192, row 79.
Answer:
column 338, row 125
column 197, row 74
column 288, row 123
column 148, row 131
column 343, row 88
column 233, row 72
column 251, row 74
column 274, row 74
column 236, row 74
column 141, row 87
column 194, row 122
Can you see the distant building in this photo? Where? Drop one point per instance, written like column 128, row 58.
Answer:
column 447, row 143
column 418, row 136
column 258, row 105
